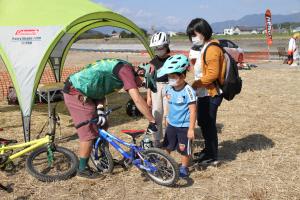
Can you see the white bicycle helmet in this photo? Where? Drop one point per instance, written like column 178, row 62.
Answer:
column 159, row 39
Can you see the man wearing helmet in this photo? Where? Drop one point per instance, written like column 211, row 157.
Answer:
column 181, row 116
column 160, row 44
column 84, row 95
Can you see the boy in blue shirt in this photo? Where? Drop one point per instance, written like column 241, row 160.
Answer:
column 181, row 116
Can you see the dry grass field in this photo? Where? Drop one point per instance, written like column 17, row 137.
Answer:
column 259, row 146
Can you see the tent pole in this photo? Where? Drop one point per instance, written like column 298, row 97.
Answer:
column 26, row 128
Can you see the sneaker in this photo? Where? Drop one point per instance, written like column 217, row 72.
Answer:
column 88, row 173
column 294, row 64
column 200, row 155
column 208, row 162
column 183, row 172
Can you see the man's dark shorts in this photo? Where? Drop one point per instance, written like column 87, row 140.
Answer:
column 176, row 139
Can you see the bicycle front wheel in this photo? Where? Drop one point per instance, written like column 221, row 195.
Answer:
column 63, row 166
column 104, row 163
column 167, row 171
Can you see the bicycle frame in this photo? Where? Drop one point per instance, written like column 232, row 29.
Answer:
column 134, row 149
column 29, row 146
column 34, row 144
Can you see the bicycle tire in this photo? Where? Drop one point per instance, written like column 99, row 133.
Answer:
column 70, row 172
column 105, row 156
column 173, row 164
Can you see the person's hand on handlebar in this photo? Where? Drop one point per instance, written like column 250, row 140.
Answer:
column 101, row 115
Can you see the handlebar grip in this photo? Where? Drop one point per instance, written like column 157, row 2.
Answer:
column 94, row 119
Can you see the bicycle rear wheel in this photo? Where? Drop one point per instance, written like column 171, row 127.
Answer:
column 167, row 171
column 63, row 166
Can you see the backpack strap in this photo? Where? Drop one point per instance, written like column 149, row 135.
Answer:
column 216, row 82
column 210, row 44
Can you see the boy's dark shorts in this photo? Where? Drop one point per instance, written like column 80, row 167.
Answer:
column 176, row 139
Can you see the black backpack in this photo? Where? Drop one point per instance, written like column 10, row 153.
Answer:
column 232, row 81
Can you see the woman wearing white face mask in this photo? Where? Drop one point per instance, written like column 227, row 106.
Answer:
column 160, row 44
column 209, row 73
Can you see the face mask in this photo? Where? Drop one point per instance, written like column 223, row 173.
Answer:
column 197, row 41
column 161, row 52
column 172, row 82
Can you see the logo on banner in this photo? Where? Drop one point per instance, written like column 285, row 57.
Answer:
column 268, row 27
column 27, row 32
column 26, row 36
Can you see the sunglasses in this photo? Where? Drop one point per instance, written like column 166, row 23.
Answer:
column 139, row 72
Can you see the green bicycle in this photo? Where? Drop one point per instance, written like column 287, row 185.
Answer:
column 47, row 162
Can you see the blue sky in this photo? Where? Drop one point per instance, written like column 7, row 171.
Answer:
column 176, row 14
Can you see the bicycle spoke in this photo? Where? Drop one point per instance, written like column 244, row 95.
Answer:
column 57, row 167
column 163, row 170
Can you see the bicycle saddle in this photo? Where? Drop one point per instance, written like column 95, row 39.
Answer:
column 6, row 142
column 133, row 133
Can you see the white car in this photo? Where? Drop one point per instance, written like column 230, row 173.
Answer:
column 234, row 50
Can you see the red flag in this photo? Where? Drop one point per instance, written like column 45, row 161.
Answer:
column 268, row 27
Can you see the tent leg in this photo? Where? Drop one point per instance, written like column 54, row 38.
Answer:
column 26, row 128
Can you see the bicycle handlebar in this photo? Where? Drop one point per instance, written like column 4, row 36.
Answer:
column 93, row 120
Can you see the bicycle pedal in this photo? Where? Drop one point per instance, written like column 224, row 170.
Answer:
column 3, row 159
column 9, row 167
column 127, row 163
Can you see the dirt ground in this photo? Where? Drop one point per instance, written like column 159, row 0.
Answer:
column 259, row 146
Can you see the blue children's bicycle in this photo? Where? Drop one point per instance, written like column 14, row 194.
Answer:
column 155, row 163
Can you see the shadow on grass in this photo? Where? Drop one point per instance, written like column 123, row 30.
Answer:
column 9, row 108
column 8, row 188
column 23, row 197
column 11, row 126
column 228, row 150
column 184, row 182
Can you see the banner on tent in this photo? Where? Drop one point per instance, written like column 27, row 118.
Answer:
column 26, row 36
column 25, row 47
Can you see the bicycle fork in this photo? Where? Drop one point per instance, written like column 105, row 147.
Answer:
column 144, row 164
column 50, row 156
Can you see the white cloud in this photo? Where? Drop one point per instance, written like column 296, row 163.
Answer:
column 294, row 11
column 124, row 11
column 172, row 20
column 204, row 6
column 143, row 13
column 145, row 18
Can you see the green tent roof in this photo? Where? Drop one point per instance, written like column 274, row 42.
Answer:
column 34, row 32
